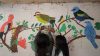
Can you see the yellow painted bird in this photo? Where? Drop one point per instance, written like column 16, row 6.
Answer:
column 44, row 18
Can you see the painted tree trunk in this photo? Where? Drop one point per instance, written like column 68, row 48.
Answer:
column 15, row 38
column 13, row 44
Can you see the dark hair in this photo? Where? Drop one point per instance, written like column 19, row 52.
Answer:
column 61, row 45
column 42, row 42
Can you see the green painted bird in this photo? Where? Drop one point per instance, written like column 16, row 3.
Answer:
column 44, row 18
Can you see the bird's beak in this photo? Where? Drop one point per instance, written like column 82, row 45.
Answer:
column 34, row 15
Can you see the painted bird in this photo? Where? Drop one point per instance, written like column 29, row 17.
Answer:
column 7, row 25
column 80, row 15
column 44, row 18
column 90, row 33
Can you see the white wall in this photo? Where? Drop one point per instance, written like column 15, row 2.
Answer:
column 80, row 47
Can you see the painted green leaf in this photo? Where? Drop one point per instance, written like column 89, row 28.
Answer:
column 1, row 17
column 32, row 25
column 1, row 45
column 81, row 31
column 52, row 22
column 33, row 45
column 69, row 26
column 18, row 23
column 74, row 35
column 63, row 28
column 36, row 24
column 16, row 41
column 30, row 36
column 40, row 24
column 97, row 25
column 75, row 32
column 25, row 23
column 68, row 18
column 73, row 27
column 33, row 30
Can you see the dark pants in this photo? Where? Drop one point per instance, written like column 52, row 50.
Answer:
column 64, row 50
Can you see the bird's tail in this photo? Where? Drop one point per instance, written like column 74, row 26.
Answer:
column 94, row 44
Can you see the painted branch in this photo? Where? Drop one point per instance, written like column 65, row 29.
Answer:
column 77, row 22
column 97, row 37
column 67, row 32
column 13, row 47
column 14, row 38
column 70, row 29
column 5, row 44
column 5, row 35
column 7, row 32
column 61, row 23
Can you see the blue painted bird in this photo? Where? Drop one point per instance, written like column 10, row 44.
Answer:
column 80, row 15
column 90, row 33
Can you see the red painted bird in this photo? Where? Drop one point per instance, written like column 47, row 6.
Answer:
column 7, row 25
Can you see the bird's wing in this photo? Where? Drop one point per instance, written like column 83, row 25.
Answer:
column 90, row 32
column 44, row 17
column 83, row 14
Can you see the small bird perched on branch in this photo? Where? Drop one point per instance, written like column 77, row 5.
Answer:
column 44, row 18
column 90, row 33
column 80, row 15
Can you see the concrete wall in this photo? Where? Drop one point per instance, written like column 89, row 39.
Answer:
column 79, row 47
column 47, row 1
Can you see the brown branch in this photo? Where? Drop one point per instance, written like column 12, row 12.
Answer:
column 5, row 43
column 77, row 22
column 67, row 32
column 4, row 40
column 28, row 28
column 7, row 32
column 97, row 37
column 5, row 35
column 56, row 26
column 61, row 23
column 76, row 38
column 15, row 37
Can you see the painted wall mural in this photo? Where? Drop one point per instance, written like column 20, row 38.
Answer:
column 81, row 25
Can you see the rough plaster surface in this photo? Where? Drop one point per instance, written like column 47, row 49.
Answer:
column 80, row 47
